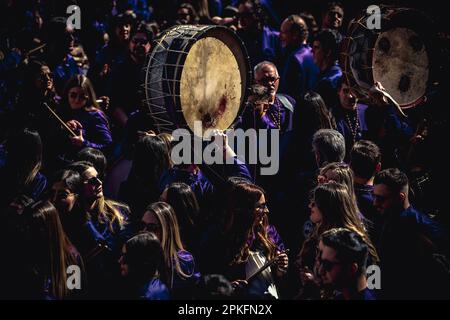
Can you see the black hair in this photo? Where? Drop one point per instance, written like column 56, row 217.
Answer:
column 94, row 156
column 364, row 158
column 144, row 256
column 350, row 247
column 213, row 287
column 330, row 41
column 393, row 178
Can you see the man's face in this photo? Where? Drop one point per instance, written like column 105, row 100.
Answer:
column 286, row 36
column 384, row 199
column 333, row 18
column 246, row 18
column 347, row 98
column 269, row 78
column 139, row 46
column 183, row 16
column 331, row 270
column 318, row 53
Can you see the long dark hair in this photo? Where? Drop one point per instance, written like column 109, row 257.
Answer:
column 84, row 83
column 150, row 159
column 50, row 247
column 314, row 114
column 144, row 257
column 246, row 229
column 24, row 157
column 339, row 210
column 183, row 200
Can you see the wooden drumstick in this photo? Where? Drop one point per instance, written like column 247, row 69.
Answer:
column 60, row 120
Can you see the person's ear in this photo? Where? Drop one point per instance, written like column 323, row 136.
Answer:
column 354, row 268
column 378, row 167
column 402, row 196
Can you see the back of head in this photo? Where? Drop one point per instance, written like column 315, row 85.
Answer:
column 365, row 159
column 315, row 114
column 213, row 287
column 330, row 41
column 150, row 159
column 298, row 26
column 329, row 145
column 394, row 179
column 350, row 247
column 24, row 155
column 144, row 256
column 183, row 200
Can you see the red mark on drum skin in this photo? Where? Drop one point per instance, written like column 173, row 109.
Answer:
column 222, row 104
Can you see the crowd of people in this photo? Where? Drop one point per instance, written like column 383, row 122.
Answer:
column 357, row 191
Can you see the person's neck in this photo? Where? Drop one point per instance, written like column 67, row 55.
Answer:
column 89, row 205
column 363, row 181
column 351, row 293
column 326, row 65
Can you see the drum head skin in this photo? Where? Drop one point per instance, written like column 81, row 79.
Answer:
column 400, row 64
column 211, row 85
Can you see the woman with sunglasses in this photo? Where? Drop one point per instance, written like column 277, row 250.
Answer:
column 160, row 219
column 84, row 116
column 331, row 207
column 104, row 230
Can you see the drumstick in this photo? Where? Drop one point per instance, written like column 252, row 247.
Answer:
column 264, row 267
column 36, row 49
column 60, row 120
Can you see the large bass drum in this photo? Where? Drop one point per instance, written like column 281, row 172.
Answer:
column 196, row 73
column 399, row 55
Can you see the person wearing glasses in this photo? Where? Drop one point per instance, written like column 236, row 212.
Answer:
column 84, row 116
column 104, row 229
column 181, row 274
column 341, row 262
column 331, row 207
column 244, row 242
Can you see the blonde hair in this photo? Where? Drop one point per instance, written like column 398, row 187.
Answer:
column 170, row 238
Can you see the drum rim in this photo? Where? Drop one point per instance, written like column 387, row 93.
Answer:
column 203, row 30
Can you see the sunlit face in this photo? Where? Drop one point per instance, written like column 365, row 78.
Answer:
column 122, row 262
column 92, row 185
column 269, row 78
column 347, row 98
column 316, row 216
column 77, row 98
column 261, row 210
column 62, row 197
column 333, row 18
column 44, row 80
column 150, row 223
column 330, row 268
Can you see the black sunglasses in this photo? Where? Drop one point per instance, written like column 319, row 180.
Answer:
column 150, row 227
column 327, row 265
column 94, row 181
